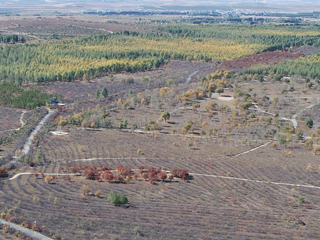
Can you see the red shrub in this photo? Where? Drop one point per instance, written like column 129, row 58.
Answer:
column 108, row 176
column 31, row 164
column 152, row 176
column 90, row 174
column 171, row 177
column 180, row 173
column 145, row 176
column 152, row 170
column 103, row 169
column 184, row 177
column 174, row 172
column 124, row 171
column 8, row 217
column 75, row 169
column 3, row 171
column 135, row 176
column 162, row 176
column 183, row 174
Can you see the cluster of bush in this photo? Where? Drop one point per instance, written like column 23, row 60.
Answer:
column 94, row 118
column 152, row 174
column 125, row 174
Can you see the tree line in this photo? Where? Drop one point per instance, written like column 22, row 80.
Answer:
column 303, row 66
column 12, row 95
column 92, row 56
column 12, row 39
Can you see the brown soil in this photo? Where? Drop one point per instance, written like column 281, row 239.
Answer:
column 217, row 206
column 9, row 118
column 261, row 58
column 115, row 144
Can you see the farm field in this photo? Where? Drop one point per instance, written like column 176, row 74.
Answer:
column 159, row 132
column 78, row 25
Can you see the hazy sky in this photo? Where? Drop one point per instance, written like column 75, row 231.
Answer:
column 227, row 5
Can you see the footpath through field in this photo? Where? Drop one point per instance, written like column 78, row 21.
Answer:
column 26, row 147
column 192, row 174
column 20, row 120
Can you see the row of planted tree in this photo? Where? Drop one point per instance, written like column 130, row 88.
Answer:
column 121, row 174
column 88, row 57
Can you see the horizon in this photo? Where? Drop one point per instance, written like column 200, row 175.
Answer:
column 293, row 6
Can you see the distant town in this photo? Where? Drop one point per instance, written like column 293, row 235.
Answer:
column 215, row 13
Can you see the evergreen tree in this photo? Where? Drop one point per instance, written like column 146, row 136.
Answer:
column 104, row 92
column 97, row 94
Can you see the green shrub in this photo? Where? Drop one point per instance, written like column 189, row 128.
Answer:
column 301, row 200
column 309, row 123
column 117, row 199
column 282, row 141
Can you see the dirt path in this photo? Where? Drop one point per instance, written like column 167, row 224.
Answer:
column 50, row 174
column 294, row 117
column 26, row 147
column 190, row 76
column 253, row 149
column 193, row 174
column 20, row 120
column 99, row 29
column 29, row 232
column 256, row 181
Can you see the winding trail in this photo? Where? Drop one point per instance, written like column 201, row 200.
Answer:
column 20, row 120
column 294, row 117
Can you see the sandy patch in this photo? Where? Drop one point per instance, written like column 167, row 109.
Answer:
column 59, row 133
